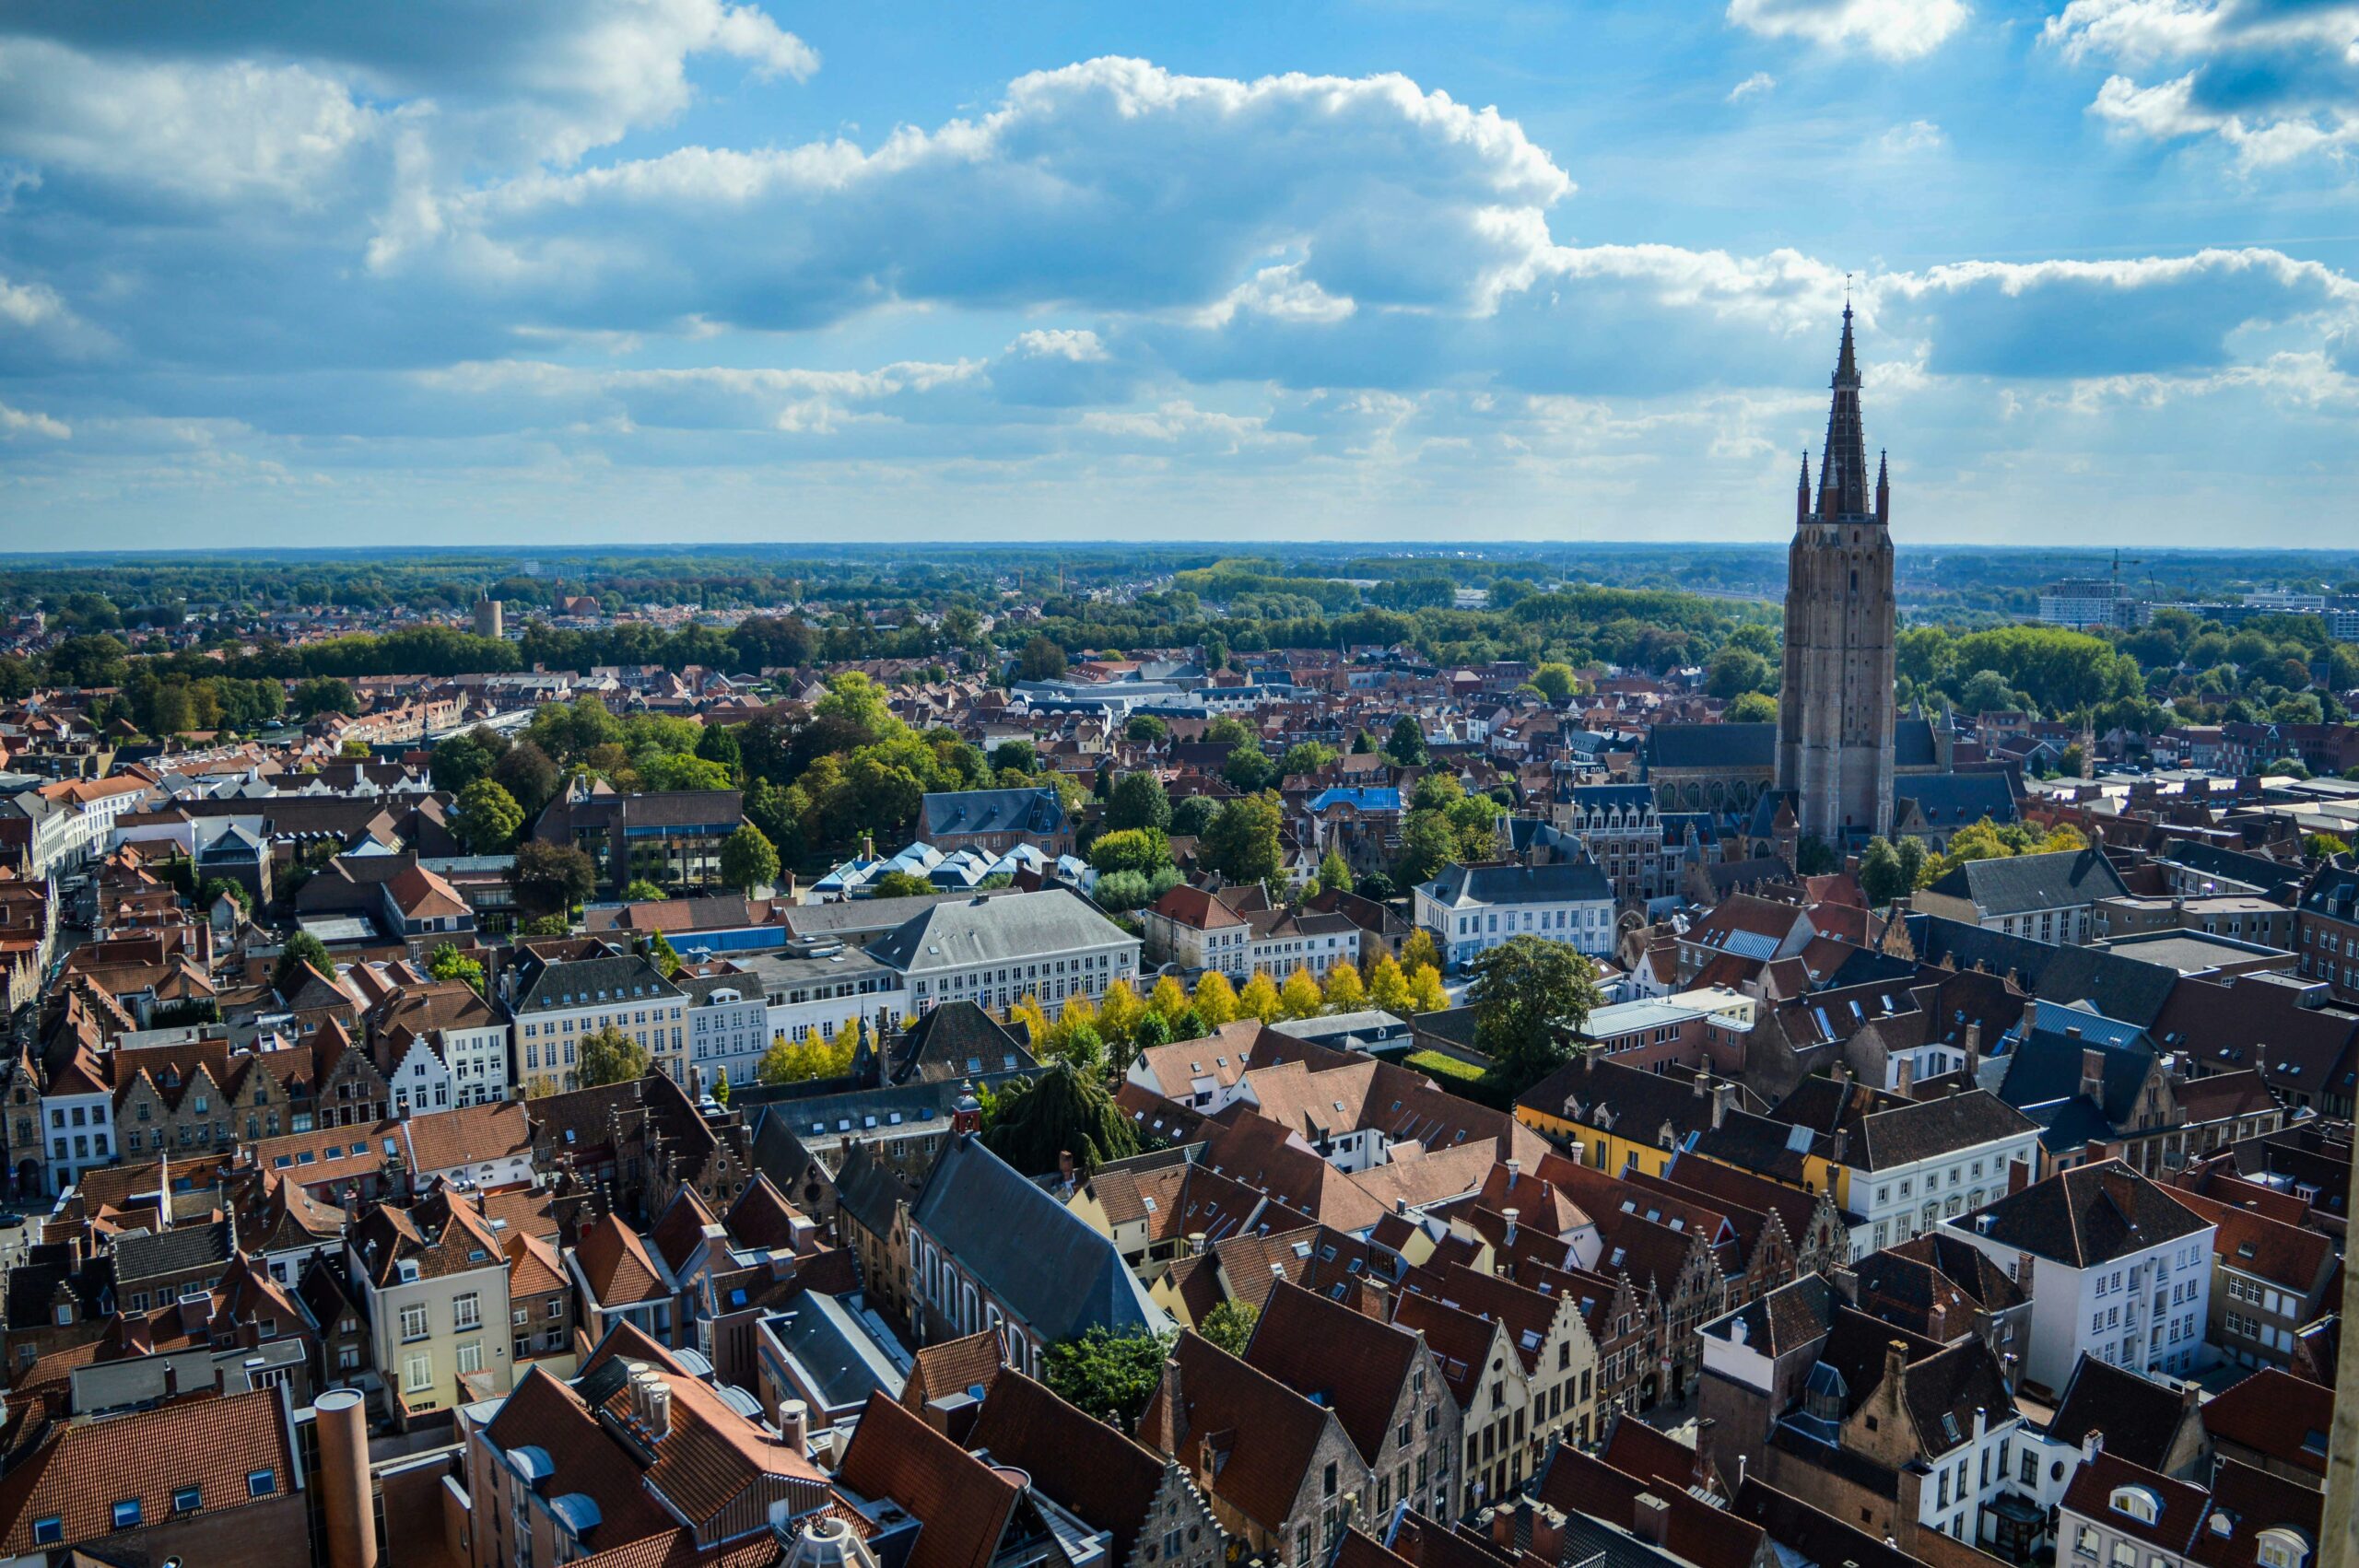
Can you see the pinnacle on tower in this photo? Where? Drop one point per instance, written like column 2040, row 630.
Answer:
column 1843, row 469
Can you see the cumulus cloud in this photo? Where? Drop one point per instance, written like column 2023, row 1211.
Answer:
column 1916, row 136
column 15, row 423
column 2274, row 81
column 1894, row 30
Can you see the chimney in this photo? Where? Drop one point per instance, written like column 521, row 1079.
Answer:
column 1515, row 1169
column 1842, row 1144
column 2091, row 1069
column 1650, row 1520
column 343, row 1430
column 1510, row 1215
column 1973, row 1047
column 1723, row 1099
column 1703, row 1082
column 1895, row 1375
column 1374, row 1302
column 1066, row 1171
column 1576, row 1153
column 2092, row 1445
column 1904, row 1075
column 1196, row 1240
column 2120, row 1186
column 794, row 1425
column 2018, row 1177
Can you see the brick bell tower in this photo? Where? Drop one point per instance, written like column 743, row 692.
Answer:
column 1835, row 706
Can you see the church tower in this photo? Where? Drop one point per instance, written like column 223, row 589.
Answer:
column 1835, row 707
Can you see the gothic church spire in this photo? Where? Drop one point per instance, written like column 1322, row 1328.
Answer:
column 1843, row 470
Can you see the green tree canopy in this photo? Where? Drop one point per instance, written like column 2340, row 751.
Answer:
column 1525, row 993
column 488, row 817
column 1060, row 1111
column 609, row 1056
column 302, row 948
column 1406, row 744
column 748, row 860
column 1241, row 841
column 1109, row 1375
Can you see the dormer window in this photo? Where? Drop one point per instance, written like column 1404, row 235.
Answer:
column 2138, row 1502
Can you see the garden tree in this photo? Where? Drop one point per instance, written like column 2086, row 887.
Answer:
column 1021, row 756
column 1752, row 708
column 638, row 890
column 1109, row 1375
column 1241, row 841
column 301, row 949
column 488, row 817
column 1188, row 1024
column 1258, row 998
column 1078, row 1011
column 1420, row 953
column 2285, row 767
column 527, row 773
column 546, row 925
column 719, row 743
column 2324, row 846
column 1147, row 729
column 1815, row 857
column 353, row 749
column 1231, row 1326
column 1190, row 816
column 1305, row 757
column 1362, row 745
column 466, row 757
column 683, row 770
column 1028, row 1012
column 1406, row 744
column 1334, row 876
column 1985, row 840
column 609, row 1056
column 1119, row 1011
column 1555, row 682
column 1888, row 870
column 550, row 878
column 1249, row 769
column 1735, row 671
column 1300, row 996
column 1215, row 1000
column 1345, row 993
column 447, row 962
column 1427, row 844
column 664, row 955
column 1427, row 993
column 1168, row 998
column 1137, row 800
column 1142, row 849
column 860, row 703
column 899, row 883
column 721, row 1087
column 1062, row 1110
column 1040, row 660
column 2074, row 762
column 1387, row 988
column 1524, row 990
column 326, row 694
column 797, row 1061
column 748, row 860
column 1083, row 1047
column 1152, row 1029
column 1119, row 892
column 1229, row 729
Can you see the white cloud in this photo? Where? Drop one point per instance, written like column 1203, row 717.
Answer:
column 213, row 131
column 1754, row 85
column 2274, row 81
column 1916, row 136
column 1894, row 30
column 15, row 423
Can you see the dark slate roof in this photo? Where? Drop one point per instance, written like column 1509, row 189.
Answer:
column 2047, row 1068
column 1058, row 1274
column 147, row 1254
column 1563, row 881
column 1960, row 800
column 1784, row 1321
column 592, row 982
column 991, row 810
column 2030, row 884
column 2334, row 892
column 1809, row 1534
column 2088, row 1215
column 870, row 1190
column 827, row 1343
column 1929, row 1130
column 1607, row 797
column 2139, row 1416
column 990, row 930
column 1712, row 745
column 1912, row 744
column 957, row 1039
column 2212, row 861
column 2120, row 987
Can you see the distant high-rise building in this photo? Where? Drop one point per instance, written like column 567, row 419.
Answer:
column 1836, row 706
column 490, row 617
column 2084, row 602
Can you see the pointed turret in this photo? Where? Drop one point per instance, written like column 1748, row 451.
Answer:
column 1883, row 487
column 1802, row 492
column 1843, row 468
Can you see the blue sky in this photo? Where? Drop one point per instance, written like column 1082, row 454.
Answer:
column 639, row 269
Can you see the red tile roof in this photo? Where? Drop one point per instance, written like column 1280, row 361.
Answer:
column 211, row 1444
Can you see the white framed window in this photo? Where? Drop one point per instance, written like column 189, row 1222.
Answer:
column 413, row 1321
column 417, row 1373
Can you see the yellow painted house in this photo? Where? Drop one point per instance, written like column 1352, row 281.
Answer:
column 1623, row 1119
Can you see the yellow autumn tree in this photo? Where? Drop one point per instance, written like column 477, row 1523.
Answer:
column 1420, row 950
column 1300, row 996
column 795, row 1061
column 1169, row 998
column 1028, row 1012
column 1426, row 993
column 1387, row 988
column 1078, row 1011
column 1259, row 999
column 1215, row 1000
column 1118, row 1014
column 1345, row 991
